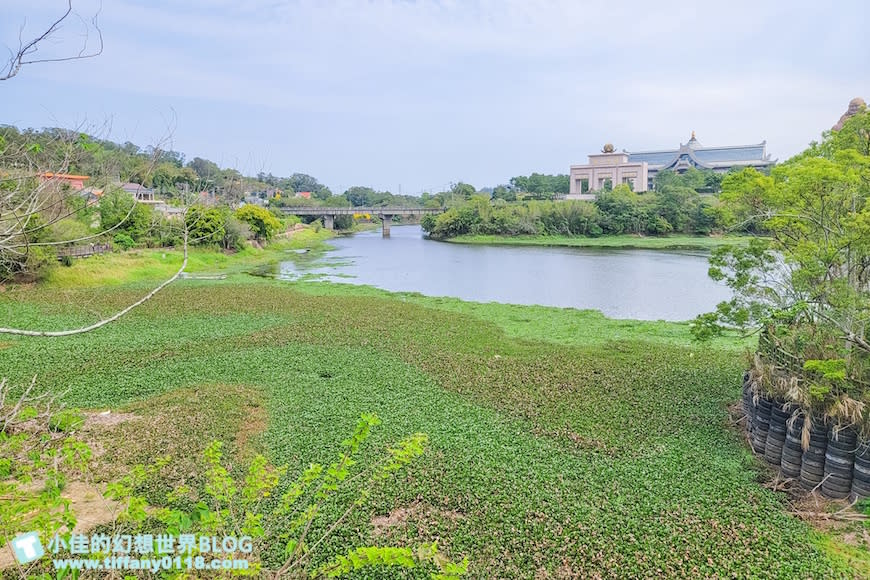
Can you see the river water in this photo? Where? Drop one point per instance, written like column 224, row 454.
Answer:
column 637, row 284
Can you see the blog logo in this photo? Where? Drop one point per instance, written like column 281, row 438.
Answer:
column 27, row 547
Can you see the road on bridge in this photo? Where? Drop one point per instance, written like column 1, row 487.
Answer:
column 384, row 213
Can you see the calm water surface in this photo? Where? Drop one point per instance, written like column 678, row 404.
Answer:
column 640, row 284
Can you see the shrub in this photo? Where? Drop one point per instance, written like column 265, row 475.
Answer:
column 236, row 234
column 343, row 222
column 36, row 447
column 230, row 508
column 262, row 222
column 120, row 211
column 205, row 225
column 66, row 420
column 123, row 241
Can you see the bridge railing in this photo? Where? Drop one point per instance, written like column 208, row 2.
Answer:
column 83, row 251
column 308, row 210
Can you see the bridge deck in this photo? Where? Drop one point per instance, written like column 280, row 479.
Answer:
column 410, row 211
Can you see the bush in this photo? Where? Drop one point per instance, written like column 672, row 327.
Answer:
column 205, row 225
column 30, row 267
column 120, row 211
column 236, row 234
column 69, row 229
column 123, row 241
column 36, row 454
column 296, row 519
column 262, row 222
column 343, row 222
column 66, row 420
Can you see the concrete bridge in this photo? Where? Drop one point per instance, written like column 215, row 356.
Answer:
column 384, row 213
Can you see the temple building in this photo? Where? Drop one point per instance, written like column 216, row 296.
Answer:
column 638, row 169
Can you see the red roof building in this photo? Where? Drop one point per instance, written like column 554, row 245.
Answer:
column 76, row 182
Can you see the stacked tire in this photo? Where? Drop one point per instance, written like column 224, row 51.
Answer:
column 839, row 460
column 776, row 433
column 792, row 451
column 760, row 425
column 861, row 471
column 835, row 460
column 813, row 458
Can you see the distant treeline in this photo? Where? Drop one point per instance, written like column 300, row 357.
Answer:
column 169, row 173
column 675, row 206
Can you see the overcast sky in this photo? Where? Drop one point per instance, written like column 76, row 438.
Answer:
column 416, row 95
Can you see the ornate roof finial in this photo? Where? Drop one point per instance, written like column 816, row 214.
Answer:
column 693, row 136
column 608, row 148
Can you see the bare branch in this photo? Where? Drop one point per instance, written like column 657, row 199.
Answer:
column 18, row 59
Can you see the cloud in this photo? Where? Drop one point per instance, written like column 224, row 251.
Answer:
column 470, row 81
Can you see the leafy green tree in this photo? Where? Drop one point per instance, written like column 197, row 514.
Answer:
column 698, row 180
column 674, row 204
column 361, row 196
column 205, row 225
column 541, row 184
column 119, row 212
column 206, row 170
column 621, row 210
column 504, row 192
column 456, row 221
column 463, row 190
column 236, row 234
column 812, row 267
column 123, row 240
column 303, row 182
column 262, row 222
column 855, row 134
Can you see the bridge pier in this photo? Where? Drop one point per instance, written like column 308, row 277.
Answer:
column 386, row 220
column 329, row 221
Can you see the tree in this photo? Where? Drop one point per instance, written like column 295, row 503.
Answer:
column 814, row 266
column 262, row 222
column 361, row 196
column 504, row 192
column 302, row 182
column 205, row 225
column 622, row 211
column 34, row 198
column 119, row 211
column 463, row 190
column 541, row 185
column 209, row 173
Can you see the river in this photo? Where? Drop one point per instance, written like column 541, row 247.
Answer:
column 621, row 283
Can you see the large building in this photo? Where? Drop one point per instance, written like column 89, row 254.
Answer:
column 639, row 168
column 604, row 167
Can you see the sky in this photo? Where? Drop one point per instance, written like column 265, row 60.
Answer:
column 410, row 96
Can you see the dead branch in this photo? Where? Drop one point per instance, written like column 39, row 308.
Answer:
column 24, row 54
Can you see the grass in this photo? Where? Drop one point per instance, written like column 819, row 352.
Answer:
column 562, row 442
column 146, row 266
column 674, row 242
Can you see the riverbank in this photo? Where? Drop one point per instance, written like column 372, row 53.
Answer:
column 146, row 266
column 561, row 441
column 677, row 242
